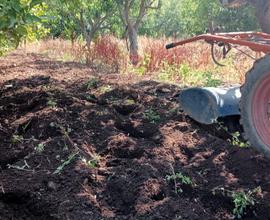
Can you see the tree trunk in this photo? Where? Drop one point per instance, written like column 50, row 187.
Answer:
column 73, row 38
column 133, row 41
column 88, row 47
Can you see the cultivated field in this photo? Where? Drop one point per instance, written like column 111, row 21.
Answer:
column 109, row 141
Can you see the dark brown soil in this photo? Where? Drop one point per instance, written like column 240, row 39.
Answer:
column 50, row 112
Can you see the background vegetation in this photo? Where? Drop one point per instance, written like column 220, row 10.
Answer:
column 118, row 33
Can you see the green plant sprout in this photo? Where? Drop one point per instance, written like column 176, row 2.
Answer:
column 51, row 103
column 70, row 158
column 26, row 126
column 40, row 147
column 17, row 139
column 241, row 200
column 105, row 89
column 179, row 178
column 93, row 162
column 92, row 84
column 152, row 116
column 236, row 140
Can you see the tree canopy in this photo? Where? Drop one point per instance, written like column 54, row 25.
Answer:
column 20, row 19
column 71, row 19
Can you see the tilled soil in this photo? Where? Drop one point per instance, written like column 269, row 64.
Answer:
column 76, row 144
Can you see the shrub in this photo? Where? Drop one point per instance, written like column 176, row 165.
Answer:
column 156, row 55
column 106, row 49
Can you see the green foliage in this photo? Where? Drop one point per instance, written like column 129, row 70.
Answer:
column 104, row 89
column 204, row 13
column 51, row 103
column 152, row 116
column 82, row 19
column 191, row 17
column 240, row 19
column 92, row 83
column 17, row 139
column 93, row 162
column 241, row 199
column 73, row 18
column 129, row 102
column 40, row 147
column 25, row 126
column 179, row 178
column 188, row 76
column 165, row 21
column 19, row 19
column 142, row 68
column 236, row 140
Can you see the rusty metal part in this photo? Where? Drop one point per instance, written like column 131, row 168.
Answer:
column 226, row 48
column 256, row 41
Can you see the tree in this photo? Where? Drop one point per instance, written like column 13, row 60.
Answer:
column 81, row 17
column 191, row 17
column 200, row 15
column 16, row 18
column 166, row 21
column 132, row 13
column 262, row 10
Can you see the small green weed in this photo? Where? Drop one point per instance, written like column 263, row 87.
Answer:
column 17, row 139
column 140, row 71
column 51, row 103
column 152, row 116
column 66, row 57
column 188, row 75
column 70, row 158
column 236, row 140
column 241, row 200
column 93, row 162
column 142, row 68
column 173, row 111
column 65, row 131
column 179, row 178
column 90, row 98
column 101, row 113
column 168, row 73
column 104, row 89
column 92, row 83
column 24, row 127
column 40, row 147
column 129, row 102
column 65, row 148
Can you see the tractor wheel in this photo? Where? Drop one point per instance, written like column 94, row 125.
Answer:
column 255, row 106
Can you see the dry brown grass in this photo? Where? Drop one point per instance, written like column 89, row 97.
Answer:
column 154, row 58
column 57, row 49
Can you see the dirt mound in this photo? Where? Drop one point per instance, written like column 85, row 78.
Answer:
column 77, row 145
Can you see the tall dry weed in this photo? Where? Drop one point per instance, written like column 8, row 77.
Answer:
column 112, row 53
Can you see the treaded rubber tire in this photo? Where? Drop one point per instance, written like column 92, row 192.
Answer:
column 261, row 69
